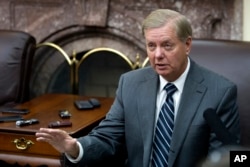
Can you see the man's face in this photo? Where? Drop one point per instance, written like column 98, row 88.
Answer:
column 167, row 54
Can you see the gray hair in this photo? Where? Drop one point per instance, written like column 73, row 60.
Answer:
column 161, row 17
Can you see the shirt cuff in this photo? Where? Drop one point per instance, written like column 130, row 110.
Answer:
column 73, row 160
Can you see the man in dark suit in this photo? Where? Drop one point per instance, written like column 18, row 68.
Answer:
column 129, row 127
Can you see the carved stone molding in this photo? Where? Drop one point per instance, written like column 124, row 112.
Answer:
column 220, row 19
column 94, row 12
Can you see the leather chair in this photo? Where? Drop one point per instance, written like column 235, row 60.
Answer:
column 232, row 60
column 16, row 53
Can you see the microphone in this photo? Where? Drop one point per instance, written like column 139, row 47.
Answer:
column 219, row 128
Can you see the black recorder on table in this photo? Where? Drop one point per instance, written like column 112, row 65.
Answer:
column 87, row 104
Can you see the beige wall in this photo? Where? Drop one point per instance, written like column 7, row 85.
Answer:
column 246, row 20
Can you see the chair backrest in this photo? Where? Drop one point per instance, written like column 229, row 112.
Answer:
column 16, row 53
column 232, row 60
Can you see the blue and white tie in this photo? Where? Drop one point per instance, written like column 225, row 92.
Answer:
column 164, row 129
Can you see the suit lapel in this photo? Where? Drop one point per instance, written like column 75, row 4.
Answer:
column 146, row 111
column 191, row 97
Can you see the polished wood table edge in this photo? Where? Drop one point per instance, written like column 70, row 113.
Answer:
column 59, row 100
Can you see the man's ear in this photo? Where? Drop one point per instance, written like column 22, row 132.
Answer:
column 188, row 45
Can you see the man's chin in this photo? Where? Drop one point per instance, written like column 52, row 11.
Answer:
column 161, row 69
column 161, row 72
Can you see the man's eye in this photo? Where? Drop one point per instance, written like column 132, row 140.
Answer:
column 168, row 46
column 151, row 46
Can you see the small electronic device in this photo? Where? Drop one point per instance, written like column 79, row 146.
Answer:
column 27, row 122
column 95, row 102
column 15, row 111
column 83, row 105
column 87, row 104
column 58, row 124
column 64, row 114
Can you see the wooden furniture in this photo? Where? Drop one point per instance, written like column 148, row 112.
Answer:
column 17, row 50
column 19, row 145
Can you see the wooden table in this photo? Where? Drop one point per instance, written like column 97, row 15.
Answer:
column 46, row 109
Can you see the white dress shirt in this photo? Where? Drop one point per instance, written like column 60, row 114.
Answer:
column 162, row 94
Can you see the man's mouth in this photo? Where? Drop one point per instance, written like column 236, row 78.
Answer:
column 161, row 66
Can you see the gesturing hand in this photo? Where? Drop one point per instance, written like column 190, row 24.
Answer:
column 59, row 139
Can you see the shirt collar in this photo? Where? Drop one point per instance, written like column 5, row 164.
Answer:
column 179, row 82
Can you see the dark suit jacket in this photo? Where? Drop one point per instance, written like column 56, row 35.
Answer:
column 129, row 125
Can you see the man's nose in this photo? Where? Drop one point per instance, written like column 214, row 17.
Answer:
column 159, row 52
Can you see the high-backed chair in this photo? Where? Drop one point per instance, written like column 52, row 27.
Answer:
column 16, row 52
column 232, row 60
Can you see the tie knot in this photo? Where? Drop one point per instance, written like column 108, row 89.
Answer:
column 170, row 89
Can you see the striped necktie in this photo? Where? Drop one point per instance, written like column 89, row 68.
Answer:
column 164, row 129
